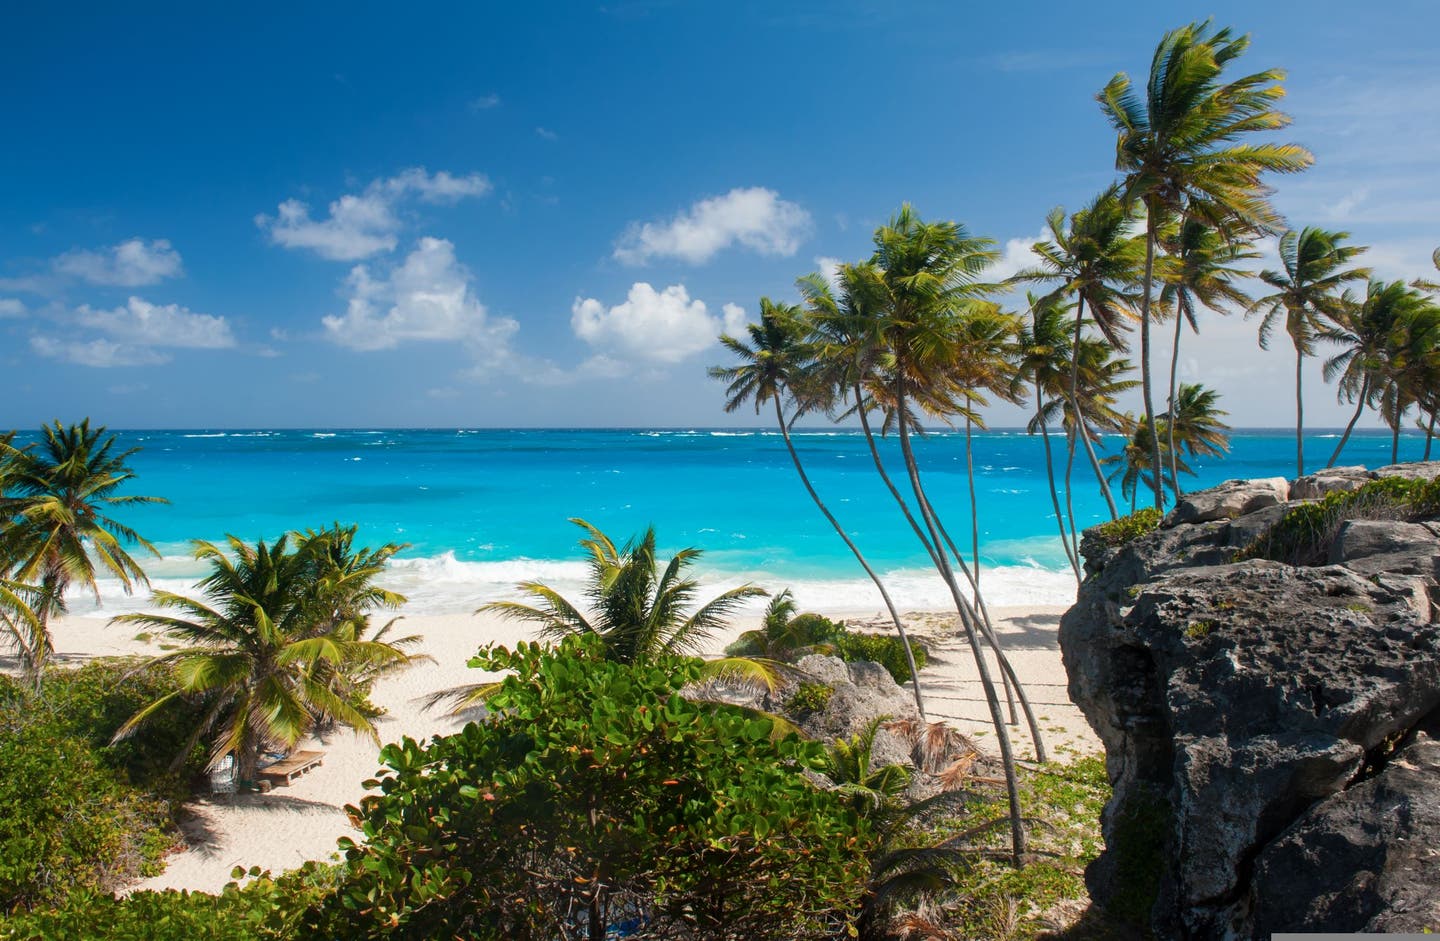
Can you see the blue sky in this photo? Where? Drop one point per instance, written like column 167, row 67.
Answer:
column 517, row 214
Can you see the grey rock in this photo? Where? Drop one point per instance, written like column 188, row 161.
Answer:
column 1375, row 546
column 1237, row 697
column 1363, row 860
column 1316, row 485
column 1229, row 500
column 1414, row 470
column 862, row 691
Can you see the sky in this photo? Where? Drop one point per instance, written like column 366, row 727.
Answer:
column 492, row 215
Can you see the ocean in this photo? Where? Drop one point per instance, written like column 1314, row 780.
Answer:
column 480, row 510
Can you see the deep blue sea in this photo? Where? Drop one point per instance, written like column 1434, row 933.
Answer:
column 483, row 509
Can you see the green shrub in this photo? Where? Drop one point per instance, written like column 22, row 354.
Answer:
column 1304, row 534
column 1126, row 529
column 790, row 639
column 593, row 796
column 809, row 698
column 883, row 649
column 77, row 813
column 263, row 909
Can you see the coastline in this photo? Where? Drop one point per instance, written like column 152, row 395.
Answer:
column 290, row 825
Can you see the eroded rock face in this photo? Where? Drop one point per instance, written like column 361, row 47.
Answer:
column 1237, row 701
column 862, row 691
column 1229, row 500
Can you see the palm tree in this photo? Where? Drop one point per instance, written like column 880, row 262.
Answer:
column 1411, row 371
column 1135, row 464
column 777, row 362
column 926, row 273
column 1200, row 273
column 56, row 527
column 639, row 611
column 1365, row 329
column 785, row 637
column 1180, row 149
column 257, row 643
column 1045, row 359
column 1096, row 258
column 1307, row 294
column 1194, row 424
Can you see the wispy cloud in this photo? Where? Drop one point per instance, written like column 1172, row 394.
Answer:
column 138, row 333
column 485, row 102
column 133, row 263
column 544, row 133
column 755, row 218
column 361, row 225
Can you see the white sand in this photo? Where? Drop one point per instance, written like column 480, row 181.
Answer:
column 289, row 825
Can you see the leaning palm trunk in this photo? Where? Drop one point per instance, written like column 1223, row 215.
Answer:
column 1299, row 414
column 1429, row 437
column 967, row 620
column 1170, row 425
column 884, row 594
column 1359, row 407
column 974, row 504
column 1070, row 434
column 1145, row 357
column 1054, row 493
column 1007, row 674
column 1395, row 440
column 1079, row 415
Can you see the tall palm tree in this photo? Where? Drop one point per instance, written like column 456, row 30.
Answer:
column 1200, row 273
column 926, row 274
column 255, row 644
column 1099, row 377
column 1094, row 256
column 1411, row 371
column 1181, row 147
column 1308, row 294
column 777, row 362
column 1365, row 329
column 56, row 524
column 1045, row 366
column 637, row 609
column 1194, row 424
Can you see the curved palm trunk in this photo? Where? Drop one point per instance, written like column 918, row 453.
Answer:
column 1429, row 437
column 884, row 594
column 50, row 603
column 1359, row 407
column 1007, row 671
column 967, row 618
column 1170, row 425
column 1054, row 493
column 1079, row 414
column 974, row 504
column 1145, row 357
column 1299, row 414
column 1070, row 496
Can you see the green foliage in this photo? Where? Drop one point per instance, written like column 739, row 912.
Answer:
column 265, row 908
column 593, row 795
column 883, row 649
column 1199, row 630
column 787, row 639
column 849, row 765
column 1127, row 529
column 75, row 813
column 809, row 698
column 1304, row 534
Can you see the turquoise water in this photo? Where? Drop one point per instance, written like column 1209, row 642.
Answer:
column 482, row 509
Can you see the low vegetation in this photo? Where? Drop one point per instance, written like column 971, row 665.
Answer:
column 1304, row 534
column 1126, row 529
column 788, row 638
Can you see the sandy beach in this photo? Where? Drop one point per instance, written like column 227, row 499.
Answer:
column 290, row 825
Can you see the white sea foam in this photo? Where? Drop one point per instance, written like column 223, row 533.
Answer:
column 444, row 584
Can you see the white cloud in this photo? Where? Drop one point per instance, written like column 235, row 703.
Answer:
column 1015, row 257
column 132, row 263
column 141, row 323
column 365, row 224
column 10, row 307
column 485, row 102
column 428, row 297
column 100, row 353
column 134, row 334
column 829, row 269
column 756, row 218
column 544, row 133
column 660, row 326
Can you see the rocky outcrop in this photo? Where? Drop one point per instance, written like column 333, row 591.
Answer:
column 1262, row 721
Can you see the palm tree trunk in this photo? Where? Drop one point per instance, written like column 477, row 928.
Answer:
column 1145, row 382
column 1050, row 473
column 1007, row 671
column 1299, row 414
column 1070, row 493
column 1170, row 425
column 974, row 504
column 885, row 595
column 1359, row 407
column 1429, row 437
column 1395, row 441
column 1079, row 414
column 50, row 603
column 967, row 619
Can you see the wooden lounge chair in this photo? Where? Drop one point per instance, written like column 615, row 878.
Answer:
column 288, row 769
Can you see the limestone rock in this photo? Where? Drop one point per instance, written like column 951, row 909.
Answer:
column 862, row 691
column 1413, row 470
column 1390, row 546
column 1316, row 485
column 1229, row 500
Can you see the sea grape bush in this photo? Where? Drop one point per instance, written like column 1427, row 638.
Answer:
column 593, row 797
column 1304, row 534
